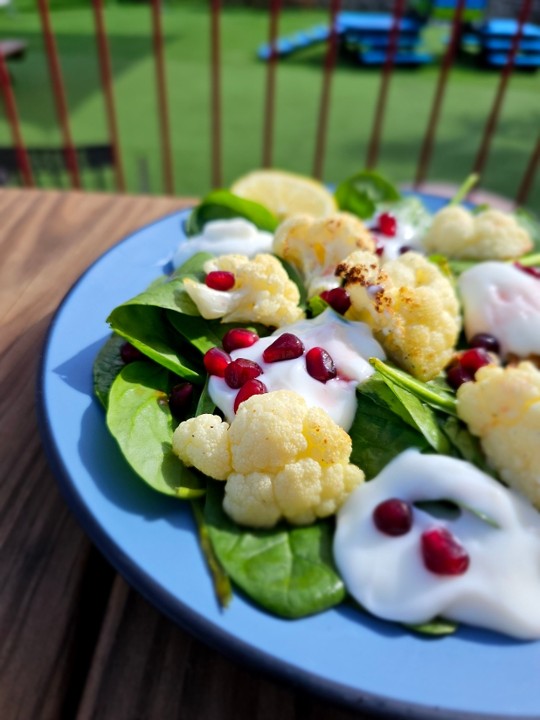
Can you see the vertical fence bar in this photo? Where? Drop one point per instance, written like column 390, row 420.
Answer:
column 215, row 93
column 163, row 109
column 493, row 118
column 270, row 96
column 527, row 181
column 324, row 107
column 448, row 60
column 21, row 153
column 107, row 84
column 378, row 119
column 62, row 111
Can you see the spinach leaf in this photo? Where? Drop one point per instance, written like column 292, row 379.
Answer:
column 222, row 205
column 361, row 193
column 205, row 334
column 531, row 223
column 220, row 579
column 316, row 305
column 138, row 417
column 107, row 365
column 146, row 327
column 288, row 571
column 465, row 445
column 205, row 405
column 446, row 509
column 436, row 628
column 378, row 434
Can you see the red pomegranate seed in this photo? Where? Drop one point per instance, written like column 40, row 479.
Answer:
column 485, row 341
column 252, row 387
column 534, row 271
column 387, row 224
column 215, row 361
column 220, row 280
column 443, row 554
column 320, row 365
column 180, row 399
column 286, row 347
column 473, row 359
column 238, row 338
column 456, row 375
column 238, row 372
column 393, row 517
column 338, row 299
column 129, row 353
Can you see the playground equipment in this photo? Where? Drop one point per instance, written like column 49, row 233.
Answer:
column 367, row 36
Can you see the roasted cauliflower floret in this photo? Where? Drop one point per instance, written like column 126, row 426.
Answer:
column 410, row 305
column 284, row 460
column 202, row 442
column 316, row 246
column 262, row 292
column 502, row 407
column 490, row 235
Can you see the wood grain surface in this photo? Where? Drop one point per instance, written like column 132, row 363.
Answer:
column 76, row 641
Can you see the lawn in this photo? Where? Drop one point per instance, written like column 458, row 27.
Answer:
column 354, row 92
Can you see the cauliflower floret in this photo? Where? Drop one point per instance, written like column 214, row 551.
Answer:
column 202, row 442
column 262, row 292
column 286, row 460
column 316, row 246
column 410, row 305
column 502, row 407
column 490, row 235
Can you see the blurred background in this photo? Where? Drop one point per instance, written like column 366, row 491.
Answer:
column 243, row 29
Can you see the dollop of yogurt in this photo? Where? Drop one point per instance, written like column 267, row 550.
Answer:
column 502, row 300
column 350, row 344
column 500, row 589
column 225, row 237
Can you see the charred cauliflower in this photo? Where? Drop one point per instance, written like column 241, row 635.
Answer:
column 502, row 407
column 410, row 305
column 316, row 246
column 262, row 292
column 280, row 459
column 490, row 235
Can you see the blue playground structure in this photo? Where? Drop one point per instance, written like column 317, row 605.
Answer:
column 366, row 36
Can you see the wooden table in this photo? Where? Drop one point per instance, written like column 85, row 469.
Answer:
column 77, row 642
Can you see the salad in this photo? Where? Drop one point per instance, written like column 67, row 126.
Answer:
column 345, row 388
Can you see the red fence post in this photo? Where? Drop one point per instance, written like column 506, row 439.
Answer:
column 215, row 92
column 270, row 99
column 23, row 160
column 163, row 110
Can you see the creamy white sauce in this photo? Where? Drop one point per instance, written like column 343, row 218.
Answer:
column 225, row 237
column 412, row 222
column 349, row 344
column 500, row 299
column 501, row 588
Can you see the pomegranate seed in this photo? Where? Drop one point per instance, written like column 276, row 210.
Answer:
column 485, row 341
column 220, row 280
column 252, row 387
column 379, row 245
column 534, row 271
column 286, row 347
column 238, row 372
column 393, row 517
column 404, row 248
column 473, row 359
column 320, row 365
column 456, row 375
column 238, row 338
column 130, row 353
column 180, row 399
column 387, row 224
column 443, row 554
column 215, row 361
column 338, row 299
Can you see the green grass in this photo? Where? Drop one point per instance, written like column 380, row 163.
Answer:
column 354, row 93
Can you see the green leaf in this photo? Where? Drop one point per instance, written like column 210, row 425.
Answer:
column 451, row 509
column 220, row 579
column 531, row 223
column 296, row 278
column 316, row 305
column 107, row 365
column 378, row 435
column 436, row 628
column 223, row 205
column 466, row 446
column 205, row 406
column 361, row 193
column 139, row 418
column 430, row 394
column 205, row 334
column 287, row 571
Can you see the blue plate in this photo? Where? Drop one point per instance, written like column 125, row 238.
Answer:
column 151, row 540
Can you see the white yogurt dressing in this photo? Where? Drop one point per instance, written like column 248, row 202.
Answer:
column 225, row 237
column 501, row 588
column 348, row 343
column 500, row 299
column 412, row 222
